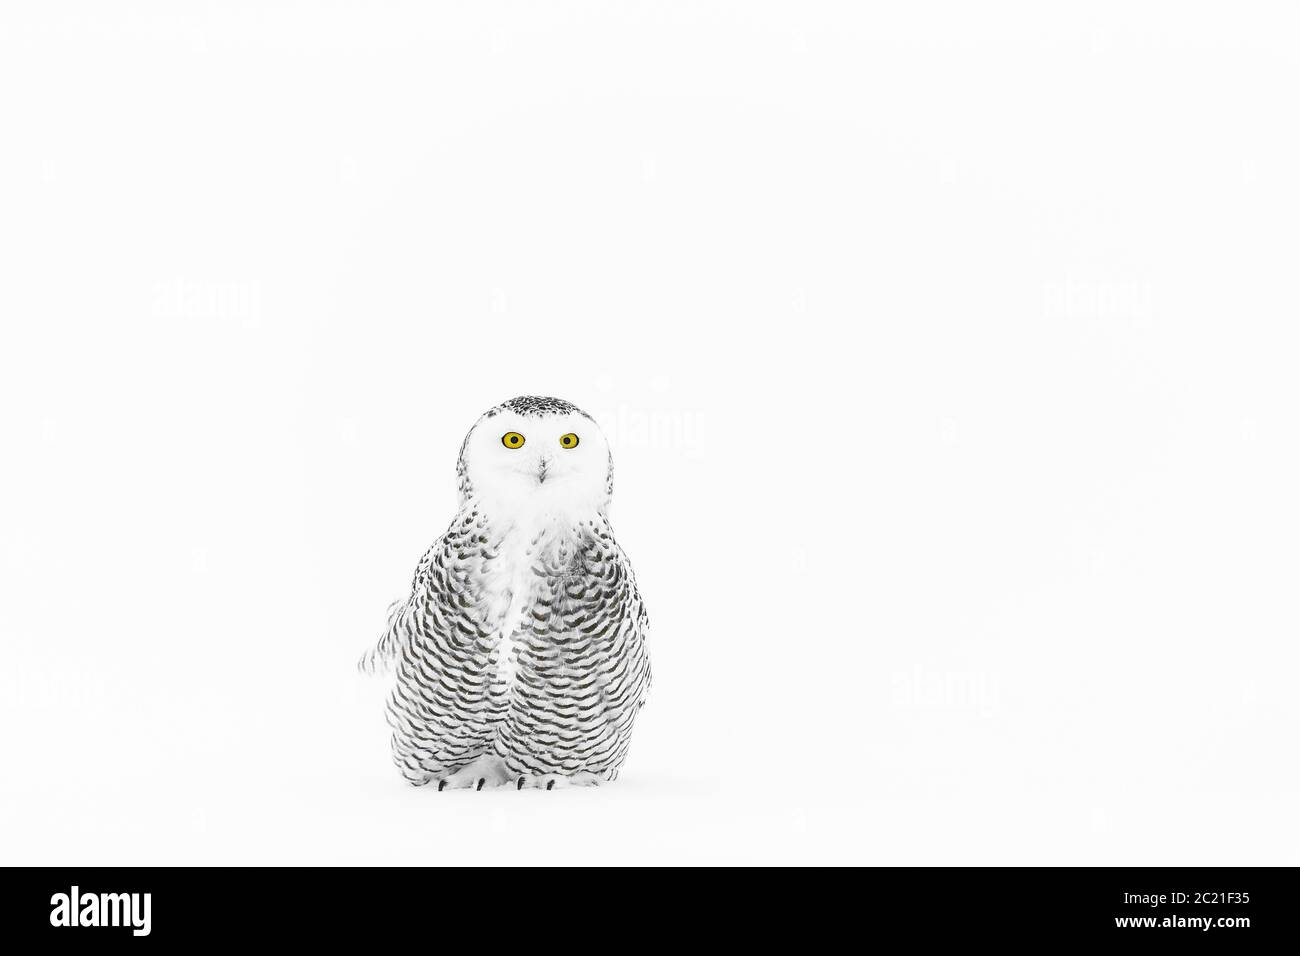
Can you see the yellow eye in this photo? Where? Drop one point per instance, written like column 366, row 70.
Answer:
column 512, row 440
column 569, row 441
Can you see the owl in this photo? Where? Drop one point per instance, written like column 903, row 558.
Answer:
column 520, row 654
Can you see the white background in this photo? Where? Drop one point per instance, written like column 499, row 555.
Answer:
column 948, row 357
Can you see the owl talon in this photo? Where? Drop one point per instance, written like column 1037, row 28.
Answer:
column 560, row 781
column 481, row 773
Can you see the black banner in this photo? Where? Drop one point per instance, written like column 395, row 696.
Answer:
column 136, row 907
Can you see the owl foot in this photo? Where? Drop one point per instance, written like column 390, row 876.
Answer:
column 554, row 781
column 486, row 771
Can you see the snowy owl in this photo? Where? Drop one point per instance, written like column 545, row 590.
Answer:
column 520, row 653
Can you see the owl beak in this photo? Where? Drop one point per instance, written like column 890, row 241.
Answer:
column 542, row 464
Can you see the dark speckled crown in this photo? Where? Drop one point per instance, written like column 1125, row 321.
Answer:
column 538, row 405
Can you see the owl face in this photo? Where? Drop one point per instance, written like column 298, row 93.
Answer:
column 538, row 453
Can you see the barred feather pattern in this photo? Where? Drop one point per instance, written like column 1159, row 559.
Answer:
column 523, row 641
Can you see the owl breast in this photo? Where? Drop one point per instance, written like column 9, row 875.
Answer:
column 526, row 644
column 569, row 668
column 531, row 597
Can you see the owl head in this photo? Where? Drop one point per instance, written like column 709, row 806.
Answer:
column 536, row 453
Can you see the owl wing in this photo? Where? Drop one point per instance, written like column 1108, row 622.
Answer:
column 403, row 618
column 630, row 621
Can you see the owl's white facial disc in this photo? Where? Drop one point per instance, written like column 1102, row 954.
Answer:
column 517, row 460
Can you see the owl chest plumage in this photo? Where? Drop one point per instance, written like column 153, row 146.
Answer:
column 529, row 641
column 523, row 599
